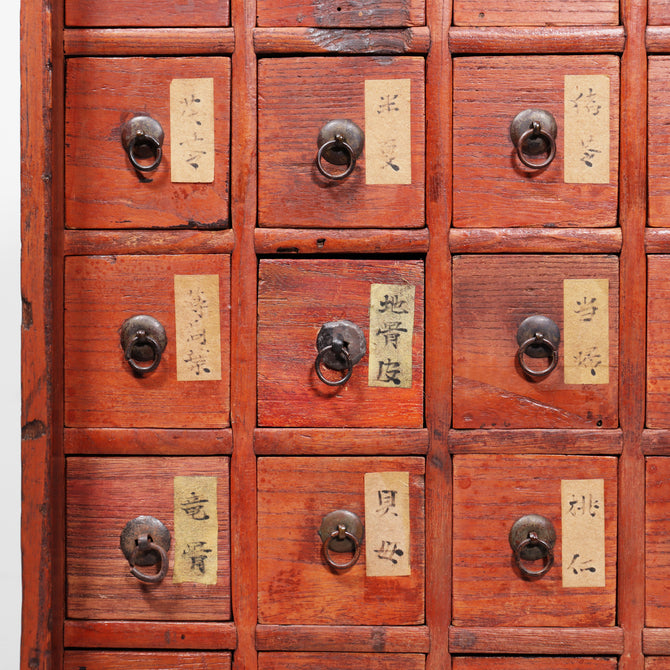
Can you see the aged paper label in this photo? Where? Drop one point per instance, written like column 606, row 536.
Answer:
column 388, row 136
column 196, row 530
column 586, row 331
column 192, row 130
column 198, row 327
column 586, row 140
column 583, row 530
column 390, row 338
column 387, row 526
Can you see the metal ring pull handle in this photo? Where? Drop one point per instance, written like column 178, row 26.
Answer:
column 145, row 541
column 340, row 345
column 533, row 133
column 143, row 340
column 140, row 134
column 538, row 337
column 532, row 538
column 341, row 531
column 340, row 142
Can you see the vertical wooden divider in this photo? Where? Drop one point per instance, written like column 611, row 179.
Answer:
column 243, row 200
column 438, row 335
column 633, row 269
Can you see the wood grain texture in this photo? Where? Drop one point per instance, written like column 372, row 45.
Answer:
column 488, row 93
column 517, row 13
column 325, row 241
column 101, row 389
column 492, row 296
column 103, row 494
column 488, row 589
column 655, row 443
column 296, row 97
column 295, row 298
column 147, row 41
column 659, row 12
column 308, row 661
column 536, row 40
column 658, row 137
column 657, row 240
column 113, row 660
column 295, row 586
column 657, row 663
column 102, row 188
column 656, row 642
column 531, row 241
column 343, row 639
column 340, row 13
column 341, row 41
column 150, row 634
column 138, row 441
column 149, row 13
column 657, row 39
column 531, row 663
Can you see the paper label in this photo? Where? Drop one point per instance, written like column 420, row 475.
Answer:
column 586, row 331
column 192, row 130
column 583, row 529
column 198, row 327
column 387, row 525
column 391, row 331
column 388, row 136
column 196, row 530
column 586, row 141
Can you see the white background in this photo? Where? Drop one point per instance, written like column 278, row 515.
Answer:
column 10, row 356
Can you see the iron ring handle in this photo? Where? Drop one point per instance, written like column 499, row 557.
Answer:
column 319, row 373
column 339, row 143
column 141, row 337
column 340, row 533
column 547, row 549
column 535, row 130
column 538, row 339
column 143, row 138
column 145, row 545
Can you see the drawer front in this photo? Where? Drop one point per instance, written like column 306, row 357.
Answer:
column 337, row 14
column 297, row 585
column 384, row 97
column 658, row 171
column 579, row 186
column 658, row 350
column 658, row 12
column 562, row 12
column 490, row 586
column 296, row 298
column 102, row 188
column 493, row 296
column 332, row 661
column 657, row 663
column 189, row 296
column 532, row 663
column 657, row 543
column 148, row 13
column 189, row 496
column 113, row 660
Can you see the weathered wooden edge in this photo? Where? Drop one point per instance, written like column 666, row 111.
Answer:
column 147, row 41
column 655, row 442
column 389, row 639
column 537, row 40
column 658, row 39
column 656, row 641
column 657, row 240
column 538, row 641
column 341, row 41
column 150, row 635
column 331, row 241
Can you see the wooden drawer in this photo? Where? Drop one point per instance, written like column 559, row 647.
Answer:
column 190, row 386
column 296, row 298
column 148, row 13
column 102, row 189
column 658, row 173
column 491, row 492
column 563, row 12
column 657, row 663
column 337, row 14
column 657, row 613
column 330, row 661
column 81, row 659
column 658, row 349
column 489, row 92
column 384, row 97
column 189, row 496
column 658, row 12
column 296, row 585
column 492, row 296
column 532, row 663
